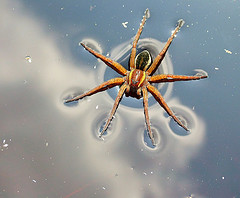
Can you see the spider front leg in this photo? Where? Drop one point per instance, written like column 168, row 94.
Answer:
column 145, row 104
column 104, row 86
column 134, row 50
column 114, row 65
column 115, row 106
column 157, row 61
column 158, row 97
column 172, row 78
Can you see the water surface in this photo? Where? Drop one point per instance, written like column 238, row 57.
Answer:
column 49, row 149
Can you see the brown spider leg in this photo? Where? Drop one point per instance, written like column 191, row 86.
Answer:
column 161, row 55
column 106, row 85
column 145, row 104
column 133, row 53
column 115, row 106
column 114, row 65
column 172, row 78
column 158, row 97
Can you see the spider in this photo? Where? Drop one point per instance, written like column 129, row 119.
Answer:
column 137, row 81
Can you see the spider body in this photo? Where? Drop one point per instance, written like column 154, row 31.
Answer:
column 136, row 78
column 137, row 81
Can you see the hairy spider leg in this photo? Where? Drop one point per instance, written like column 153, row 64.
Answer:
column 145, row 104
column 106, row 85
column 115, row 106
column 158, row 97
column 134, row 50
column 157, row 61
column 114, row 65
column 172, row 78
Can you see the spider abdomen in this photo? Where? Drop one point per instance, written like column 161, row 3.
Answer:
column 143, row 60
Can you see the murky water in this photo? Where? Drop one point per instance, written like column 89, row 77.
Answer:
column 52, row 149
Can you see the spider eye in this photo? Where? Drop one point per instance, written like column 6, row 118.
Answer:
column 143, row 60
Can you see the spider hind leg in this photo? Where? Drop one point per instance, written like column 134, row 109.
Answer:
column 145, row 104
column 158, row 97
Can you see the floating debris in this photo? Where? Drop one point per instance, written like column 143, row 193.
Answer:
column 4, row 145
column 228, row 51
column 28, row 59
column 92, row 7
column 125, row 24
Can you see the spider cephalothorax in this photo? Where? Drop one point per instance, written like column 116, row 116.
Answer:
column 137, row 81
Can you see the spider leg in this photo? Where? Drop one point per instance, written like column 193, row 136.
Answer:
column 145, row 104
column 161, row 55
column 114, row 65
column 172, row 78
column 106, row 85
column 133, row 53
column 158, row 97
column 115, row 106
